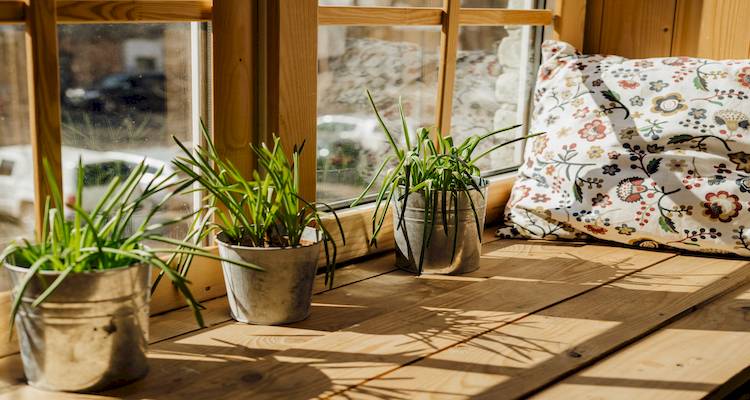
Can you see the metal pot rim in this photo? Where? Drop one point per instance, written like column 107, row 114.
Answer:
column 484, row 183
column 16, row 268
column 268, row 249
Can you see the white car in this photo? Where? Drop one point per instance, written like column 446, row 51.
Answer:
column 100, row 167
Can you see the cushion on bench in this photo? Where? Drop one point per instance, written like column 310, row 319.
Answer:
column 652, row 152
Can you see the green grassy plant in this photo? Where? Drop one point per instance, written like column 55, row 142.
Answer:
column 434, row 166
column 265, row 210
column 108, row 236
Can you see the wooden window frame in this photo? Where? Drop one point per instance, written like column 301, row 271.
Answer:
column 280, row 95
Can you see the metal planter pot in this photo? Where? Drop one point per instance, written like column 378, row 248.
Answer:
column 410, row 233
column 90, row 334
column 282, row 292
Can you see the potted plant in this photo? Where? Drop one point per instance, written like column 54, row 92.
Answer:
column 81, row 292
column 438, row 196
column 263, row 221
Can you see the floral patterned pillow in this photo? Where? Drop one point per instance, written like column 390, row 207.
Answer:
column 652, row 152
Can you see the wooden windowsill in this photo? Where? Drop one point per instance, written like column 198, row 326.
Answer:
column 557, row 319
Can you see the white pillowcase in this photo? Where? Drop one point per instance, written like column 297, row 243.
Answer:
column 652, row 152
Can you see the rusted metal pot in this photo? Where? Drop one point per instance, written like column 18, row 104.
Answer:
column 282, row 292
column 90, row 334
column 439, row 256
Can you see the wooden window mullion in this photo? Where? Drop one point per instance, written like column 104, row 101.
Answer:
column 292, row 75
column 44, row 98
column 447, row 71
column 234, row 72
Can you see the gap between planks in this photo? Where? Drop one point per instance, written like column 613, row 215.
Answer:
column 520, row 358
column 703, row 354
column 382, row 342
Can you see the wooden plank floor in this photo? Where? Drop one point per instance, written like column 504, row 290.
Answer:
column 549, row 320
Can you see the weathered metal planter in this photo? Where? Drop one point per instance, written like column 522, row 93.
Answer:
column 282, row 292
column 439, row 257
column 90, row 334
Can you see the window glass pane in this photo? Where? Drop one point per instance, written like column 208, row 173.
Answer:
column 126, row 89
column 381, row 3
column 390, row 62
column 494, row 73
column 16, row 167
column 512, row 4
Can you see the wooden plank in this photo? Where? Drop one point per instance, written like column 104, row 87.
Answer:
column 351, row 302
column 723, row 29
column 519, row 358
column 43, row 81
column 687, row 22
column 240, row 360
column 234, row 83
column 637, row 28
column 357, row 226
column 206, row 282
column 593, row 32
column 181, row 321
column 704, row 353
column 111, row 11
column 12, row 11
column 114, row 11
column 447, row 71
column 373, row 16
column 570, row 21
column 292, row 83
column 499, row 16
column 497, row 198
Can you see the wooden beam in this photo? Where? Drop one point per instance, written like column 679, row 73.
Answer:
column 12, row 11
column 723, row 29
column 98, row 11
column 292, row 74
column 43, row 76
column 638, row 28
column 331, row 15
column 593, row 31
column 498, row 16
column 447, row 72
column 686, row 33
column 570, row 21
column 115, row 11
column 234, row 73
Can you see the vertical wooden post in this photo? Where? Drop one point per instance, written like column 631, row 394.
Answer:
column 569, row 21
column 447, row 71
column 234, row 81
column 291, row 108
column 44, row 97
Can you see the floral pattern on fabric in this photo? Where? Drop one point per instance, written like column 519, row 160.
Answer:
column 652, row 153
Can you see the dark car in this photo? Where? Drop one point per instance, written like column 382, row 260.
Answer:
column 121, row 93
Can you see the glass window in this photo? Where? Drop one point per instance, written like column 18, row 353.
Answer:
column 126, row 89
column 16, row 167
column 494, row 73
column 390, row 62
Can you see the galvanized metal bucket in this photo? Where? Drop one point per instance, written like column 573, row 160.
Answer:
column 282, row 292
column 90, row 334
column 439, row 256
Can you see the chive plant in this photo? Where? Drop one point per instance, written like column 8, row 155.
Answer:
column 431, row 165
column 265, row 210
column 111, row 235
